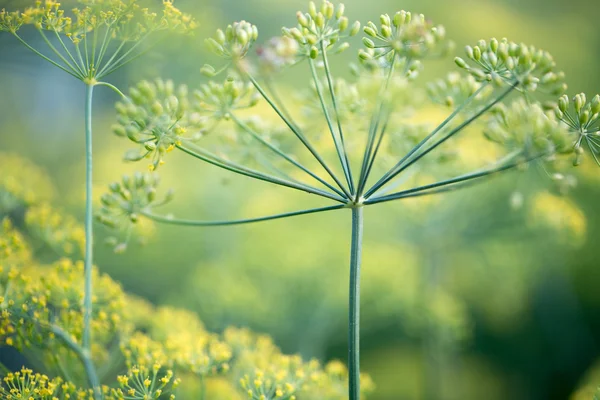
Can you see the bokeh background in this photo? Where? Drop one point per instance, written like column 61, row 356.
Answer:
column 464, row 298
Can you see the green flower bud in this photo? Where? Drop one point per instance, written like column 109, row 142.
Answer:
column 312, row 9
column 461, row 63
column 493, row 59
column 386, row 31
column 476, row 53
column 150, row 146
column 370, row 31
column 320, row 20
column 214, row 46
column 579, row 101
column 355, row 28
column 220, row 37
column 343, row 24
column 584, row 117
column 342, row 47
column 469, row 51
column 302, row 19
column 364, row 55
column 399, row 18
column 119, row 130
column 329, row 10
column 385, row 20
column 494, row 45
column 208, row 70
column 368, row 43
column 563, row 103
column 340, row 11
column 596, row 104
column 314, row 52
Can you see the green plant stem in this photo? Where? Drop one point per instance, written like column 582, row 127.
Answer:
column 299, row 135
column 51, row 61
column 256, row 136
column 337, row 114
column 448, row 136
column 386, row 177
column 184, row 222
column 113, row 87
column 449, row 184
column 239, row 169
column 84, row 356
column 338, row 149
column 354, row 305
column 88, row 260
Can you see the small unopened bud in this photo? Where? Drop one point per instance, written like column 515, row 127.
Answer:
column 385, row 20
column 461, row 63
column 343, row 23
column 370, row 31
column 208, row 70
column 302, row 19
column 220, row 37
column 355, row 28
column 368, row 43
column 342, row 47
column 493, row 59
column 476, row 53
column 386, row 31
column 312, row 9
column 494, row 45
column 563, row 103
column 469, row 51
column 314, row 52
column 320, row 20
column 596, row 104
column 329, row 10
column 584, row 117
column 340, row 11
column 399, row 18
column 579, row 101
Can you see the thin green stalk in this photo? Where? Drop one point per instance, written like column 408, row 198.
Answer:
column 110, row 66
column 51, row 61
column 233, row 167
column 354, row 305
column 84, row 357
column 64, row 46
column 384, row 179
column 282, row 154
column 55, row 50
column 113, row 87
column 299, row 135
column 373, row 132
column 446, row 183
column 185, row 222
column 336, row 143
column 337, row 114
column 87, row 301
column 110, row 60
column 442, row 140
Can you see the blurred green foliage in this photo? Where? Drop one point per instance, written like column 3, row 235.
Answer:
column 465, row 298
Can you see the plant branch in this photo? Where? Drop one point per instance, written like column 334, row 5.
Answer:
column 184, row 222
column 256, row 136
column 233, row 167
column 299, row 135
column 441, row 141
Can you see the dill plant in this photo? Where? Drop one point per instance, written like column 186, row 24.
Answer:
column 377, row 152
column 90, row 42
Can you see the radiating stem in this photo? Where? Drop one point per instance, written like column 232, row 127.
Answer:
column 88, row 260
column 354, row 305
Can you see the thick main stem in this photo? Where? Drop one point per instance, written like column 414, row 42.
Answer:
column 354, row 305
column 88, row 259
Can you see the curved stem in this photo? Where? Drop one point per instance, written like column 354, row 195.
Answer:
column 113, row 87
column 88, row 260
column 354, row 305
column 184, row 222
column 84, row 357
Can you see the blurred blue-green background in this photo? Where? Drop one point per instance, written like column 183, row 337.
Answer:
column 465, row 298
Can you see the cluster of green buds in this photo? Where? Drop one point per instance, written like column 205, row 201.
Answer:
column 584, row 122
column 528, row 132
column 61, row 233
column 219, row 100
column 126, row 202
column 321, row 29
column 505, row 62
column 233, row 44
column 456, row 89
column 405, row 38
column 154, row 116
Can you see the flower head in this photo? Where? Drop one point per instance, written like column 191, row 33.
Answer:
column 508, row 63
column 583, row 122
